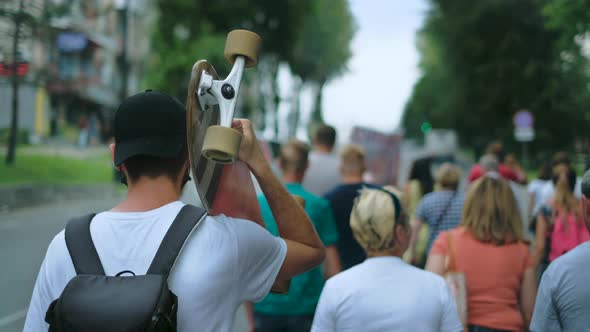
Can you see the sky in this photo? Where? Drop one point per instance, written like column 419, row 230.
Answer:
column 382, row 70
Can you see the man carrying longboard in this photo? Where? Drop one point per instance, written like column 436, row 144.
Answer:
column 223, row 262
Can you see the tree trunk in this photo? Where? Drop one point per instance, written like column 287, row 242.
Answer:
column 274, row 96
column 316, row 115
column 269, row 94
column 10, row 154
column 295, row 112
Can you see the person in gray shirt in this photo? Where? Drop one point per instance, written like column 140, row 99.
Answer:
column 323, row 170
column 563, row 299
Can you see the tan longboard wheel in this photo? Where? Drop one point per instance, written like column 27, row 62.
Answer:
column 221, row 144
column 245, row 43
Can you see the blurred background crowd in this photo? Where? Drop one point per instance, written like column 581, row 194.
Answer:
column 428, row 98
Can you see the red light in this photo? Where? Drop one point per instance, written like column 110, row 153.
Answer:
column 7, row 69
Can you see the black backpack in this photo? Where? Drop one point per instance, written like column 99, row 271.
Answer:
column 93, row 302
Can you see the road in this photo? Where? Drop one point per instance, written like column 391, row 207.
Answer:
column 24, row 237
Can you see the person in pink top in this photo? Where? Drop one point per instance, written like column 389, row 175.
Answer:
column 560, row 226
column 490, row 250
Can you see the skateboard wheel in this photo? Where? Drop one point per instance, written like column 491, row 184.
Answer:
column 244, row 43
column 221, row 144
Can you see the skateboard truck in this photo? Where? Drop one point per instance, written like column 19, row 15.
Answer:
column 224, row 93
column 222, row 143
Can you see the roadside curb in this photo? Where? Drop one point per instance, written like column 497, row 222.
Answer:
column 25, row 195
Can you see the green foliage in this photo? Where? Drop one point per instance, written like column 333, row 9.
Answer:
column 484, row 60
column 323, row 47
column 189, row 30
column 312, row 36
column 57, row 170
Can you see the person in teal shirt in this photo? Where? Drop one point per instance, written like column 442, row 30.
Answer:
column 294, row 311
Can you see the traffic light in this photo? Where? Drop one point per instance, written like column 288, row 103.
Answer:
column 425, row 127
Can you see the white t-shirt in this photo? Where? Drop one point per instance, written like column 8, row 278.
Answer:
column 535, row 188
column 323, row 173
column 223, row 263
column 386, row 294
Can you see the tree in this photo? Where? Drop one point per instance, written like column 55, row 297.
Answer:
column 189, row 30
column 22, row 20
column 484, row 60
column 321, row 52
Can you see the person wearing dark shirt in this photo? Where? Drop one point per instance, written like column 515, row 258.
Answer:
column 341, row 198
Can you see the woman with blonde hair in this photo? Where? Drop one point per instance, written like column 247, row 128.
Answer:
column 488, row 248
column 384, row 293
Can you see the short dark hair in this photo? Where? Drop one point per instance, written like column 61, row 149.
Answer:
column 325, row 135
column 561, row 158
column 152, row 166
column 496, row 148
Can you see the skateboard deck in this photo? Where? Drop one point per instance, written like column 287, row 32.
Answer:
column 223, row 188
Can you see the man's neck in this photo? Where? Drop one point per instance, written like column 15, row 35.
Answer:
column 292, row 178
column 321, row 148
column 148, row 194
column 351, row 178
column 387, row 253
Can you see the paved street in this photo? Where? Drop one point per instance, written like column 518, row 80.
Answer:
column 24, row 237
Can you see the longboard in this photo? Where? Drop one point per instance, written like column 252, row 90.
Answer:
column 224, row 184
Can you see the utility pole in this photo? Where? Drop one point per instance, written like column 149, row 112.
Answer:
column 14, row 124
column 124, row 62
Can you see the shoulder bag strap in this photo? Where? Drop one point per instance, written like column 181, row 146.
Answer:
column 186, row 220
column 441, row 216
column 452, row 264
column 81, row 247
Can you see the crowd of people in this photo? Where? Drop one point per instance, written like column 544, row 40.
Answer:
column 477, row 230
column 439, row 255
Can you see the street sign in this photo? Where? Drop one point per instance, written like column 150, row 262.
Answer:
column 523, row 119
column 524, row 134
column 523, row 126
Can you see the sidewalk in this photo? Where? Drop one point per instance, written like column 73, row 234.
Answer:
column 41, row 189
column 59, row 148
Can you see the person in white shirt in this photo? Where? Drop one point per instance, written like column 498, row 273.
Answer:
column 384, row 293
column 535, row 189
column 323, row 171
column 224, row 262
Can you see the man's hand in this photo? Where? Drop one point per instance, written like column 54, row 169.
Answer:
column 250, row 151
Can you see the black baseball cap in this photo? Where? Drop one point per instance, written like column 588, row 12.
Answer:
column 149, row 123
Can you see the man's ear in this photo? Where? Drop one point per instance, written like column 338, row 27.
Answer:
column 112, row 148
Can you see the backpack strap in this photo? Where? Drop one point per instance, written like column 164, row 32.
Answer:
column 184, row 223
column 81, row 247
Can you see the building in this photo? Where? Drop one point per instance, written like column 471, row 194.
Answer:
column 29, row 63
column 76, row 63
